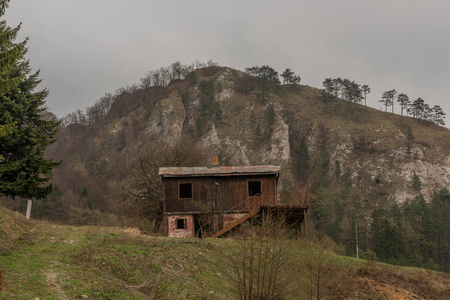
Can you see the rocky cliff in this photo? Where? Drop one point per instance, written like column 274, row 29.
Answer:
column 378, row 152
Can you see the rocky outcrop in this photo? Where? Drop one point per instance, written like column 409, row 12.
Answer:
column 166, row 120
column 234, row 152
column 279, row 151
column 380, row 152
column 210, row 140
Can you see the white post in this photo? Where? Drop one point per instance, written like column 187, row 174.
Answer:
column 29, row 209
column 356, row 226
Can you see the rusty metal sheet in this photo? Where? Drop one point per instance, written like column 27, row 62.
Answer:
column 218, row 170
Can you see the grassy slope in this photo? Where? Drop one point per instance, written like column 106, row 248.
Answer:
column 61, row 262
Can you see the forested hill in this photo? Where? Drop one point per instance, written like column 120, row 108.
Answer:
column 388, row 172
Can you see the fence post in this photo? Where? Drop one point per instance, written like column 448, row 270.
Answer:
column 28, row 215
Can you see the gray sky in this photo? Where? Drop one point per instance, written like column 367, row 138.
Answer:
column 87, row 48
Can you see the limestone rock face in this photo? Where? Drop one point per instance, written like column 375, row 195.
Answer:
column 167, row 120
column 235, row 152
column 226, row 86
column 279, row 149
column 380, row 152
column 210, row 140
column 432, row 176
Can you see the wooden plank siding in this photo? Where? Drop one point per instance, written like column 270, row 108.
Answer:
column 230, row 193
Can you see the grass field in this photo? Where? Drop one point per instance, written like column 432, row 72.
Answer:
column 48, row 261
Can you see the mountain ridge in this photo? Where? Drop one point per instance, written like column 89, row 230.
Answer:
column 300, row 111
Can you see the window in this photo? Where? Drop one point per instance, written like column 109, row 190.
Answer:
column 254, row 188
column 185, row 190
column 181, row 223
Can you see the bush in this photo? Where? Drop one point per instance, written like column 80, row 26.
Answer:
column 86, row 216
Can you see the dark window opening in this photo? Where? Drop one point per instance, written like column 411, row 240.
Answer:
column 185, row 190
column 254, row 188
column 181, row 223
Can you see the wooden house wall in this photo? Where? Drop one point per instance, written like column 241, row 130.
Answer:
column 230, row 192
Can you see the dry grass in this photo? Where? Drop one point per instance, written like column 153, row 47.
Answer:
column 105, row 262
column 424, row 284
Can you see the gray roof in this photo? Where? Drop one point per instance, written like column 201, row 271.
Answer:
column 218, row 171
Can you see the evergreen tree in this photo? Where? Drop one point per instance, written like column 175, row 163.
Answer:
column 23, row 168
column 366, row 90
column 438, row 115
column 415, row 182
column 388, row 99
column 302, row 156
column 337, row 170
column 387, row 237
column 11, row 53
column 208, row 103
column 270, row 117
column 403, row 100
column 266, row 82
column 328, row 86
column 440, row 211
column 416, row 108
column 290, row 78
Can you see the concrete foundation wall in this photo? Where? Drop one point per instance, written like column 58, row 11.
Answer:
column 171, row 223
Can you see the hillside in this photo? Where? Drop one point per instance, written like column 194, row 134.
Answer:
column 50, row 261
column 371, row 143
column 357, row 163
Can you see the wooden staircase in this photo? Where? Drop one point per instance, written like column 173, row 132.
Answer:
column 237, row 222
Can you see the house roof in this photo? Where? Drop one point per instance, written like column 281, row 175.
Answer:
column 218, row 171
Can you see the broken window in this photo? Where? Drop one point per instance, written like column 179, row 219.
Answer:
column 185, row 190
column 254, row 188
column 181, row 223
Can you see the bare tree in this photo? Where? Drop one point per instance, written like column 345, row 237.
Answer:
column 186, row 70
column 177, row 69
column 147, row 81
column 142, row 188
column 261, row 263
column 166, row 75
column 322, row 276
column 105, row 103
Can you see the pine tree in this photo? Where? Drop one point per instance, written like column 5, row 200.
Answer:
column 416, row 108
column 415, row 182
column 290, row 78
column 302, row 157
column 266, row 82
column 403, row 100
column 328, row 86
column 388, row 99
column 366, row 90
column 23, row 168
column 10, row 53
column 438, row 115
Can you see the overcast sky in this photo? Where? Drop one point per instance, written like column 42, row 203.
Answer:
column 87, row 48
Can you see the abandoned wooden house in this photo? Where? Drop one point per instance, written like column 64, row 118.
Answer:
column 210, row 201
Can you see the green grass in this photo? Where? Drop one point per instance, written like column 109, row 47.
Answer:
column 50, row 261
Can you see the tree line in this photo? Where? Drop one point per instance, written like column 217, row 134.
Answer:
column 418, row 109
column 352, row 92
column 414, row 233
column 161, row 77
column 346, row 89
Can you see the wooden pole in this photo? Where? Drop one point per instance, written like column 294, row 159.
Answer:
column 28, row 215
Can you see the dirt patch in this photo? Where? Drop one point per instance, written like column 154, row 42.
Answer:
column 382, row 290
column 53, row 283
